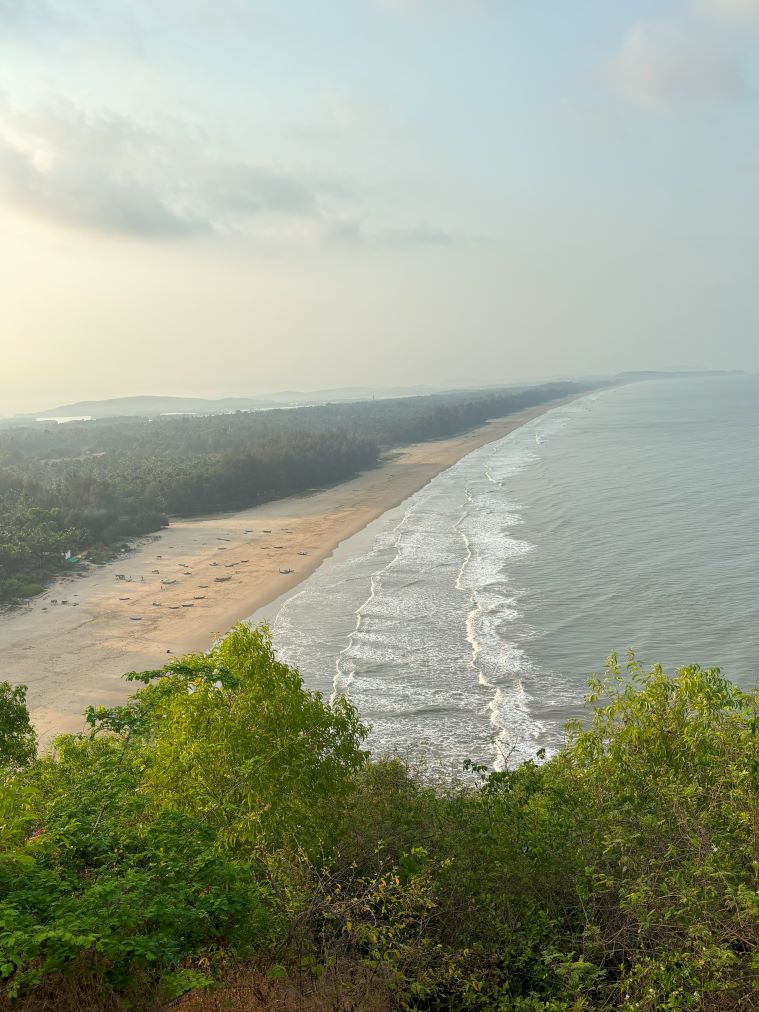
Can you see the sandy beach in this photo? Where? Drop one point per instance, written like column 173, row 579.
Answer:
column 174, row 591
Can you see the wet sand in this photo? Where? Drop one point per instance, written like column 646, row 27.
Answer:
column 189, row 583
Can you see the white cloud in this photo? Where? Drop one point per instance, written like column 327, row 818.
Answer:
column 103, row 172
column 730, row 10
column 436, row 6
column 662, row 64
column 125, row 28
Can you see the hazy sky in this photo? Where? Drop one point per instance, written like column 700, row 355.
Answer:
column 238, row 196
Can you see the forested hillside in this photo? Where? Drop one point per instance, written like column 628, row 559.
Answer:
column 88, row 485
column 226, row 829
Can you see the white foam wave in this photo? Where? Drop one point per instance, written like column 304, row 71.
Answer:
column 435, row 654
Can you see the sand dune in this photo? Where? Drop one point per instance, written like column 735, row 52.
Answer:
column 194, row 580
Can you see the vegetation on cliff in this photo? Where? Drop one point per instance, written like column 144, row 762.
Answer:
column 225, row 841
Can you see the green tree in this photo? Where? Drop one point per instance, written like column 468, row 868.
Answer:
column 233, row 737
column 225, row 815
column 18, row 740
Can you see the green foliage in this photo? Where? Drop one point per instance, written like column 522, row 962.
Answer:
column 91, row 485
column 143, row 844
column 18, row 741
column 621, row 873
column 233, row 737
column 33, row 539
column 226, row 814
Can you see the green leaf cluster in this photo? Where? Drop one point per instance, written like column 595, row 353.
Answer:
column 227, row 821
column 128, row 851
column 18, row 740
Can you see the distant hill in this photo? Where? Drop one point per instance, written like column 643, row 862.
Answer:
column 647, row 374
column 151, row 406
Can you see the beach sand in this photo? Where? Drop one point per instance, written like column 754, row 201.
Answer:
column 221, row 569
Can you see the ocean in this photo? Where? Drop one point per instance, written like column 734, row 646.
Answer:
column 465, row 623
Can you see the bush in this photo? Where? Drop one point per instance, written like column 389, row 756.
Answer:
column 18, row 588
column 144, row 844
column 621, row 873
column 18, row 741
column 226, row 824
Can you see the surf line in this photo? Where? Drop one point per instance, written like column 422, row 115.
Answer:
column 344, row 679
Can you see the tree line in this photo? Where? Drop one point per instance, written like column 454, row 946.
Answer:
column 91, row 485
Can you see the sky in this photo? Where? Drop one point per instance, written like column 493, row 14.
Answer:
column 235, row 197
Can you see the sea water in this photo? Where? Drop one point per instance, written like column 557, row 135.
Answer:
column 465, row 623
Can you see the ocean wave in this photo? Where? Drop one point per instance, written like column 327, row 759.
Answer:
column 424, row 632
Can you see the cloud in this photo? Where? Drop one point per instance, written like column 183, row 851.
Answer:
column 125, row 28
column 351, row 231
column 730, row 10
column 23, row 16
column 103, row 172
column 662, row 65
column 436, row 6
column 420, row 235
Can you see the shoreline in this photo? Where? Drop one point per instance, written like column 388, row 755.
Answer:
column 187, row 584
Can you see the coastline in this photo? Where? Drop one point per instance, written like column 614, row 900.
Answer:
column 195, row 579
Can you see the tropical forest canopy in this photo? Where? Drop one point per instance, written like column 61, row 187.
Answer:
column 90, row 485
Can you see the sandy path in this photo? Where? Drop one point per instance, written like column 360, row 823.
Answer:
column 224, row 567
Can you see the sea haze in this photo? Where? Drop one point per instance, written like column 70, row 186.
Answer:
column 465, row 623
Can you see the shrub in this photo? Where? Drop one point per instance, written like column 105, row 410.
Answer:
column 226, row 824
column 18, row 741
